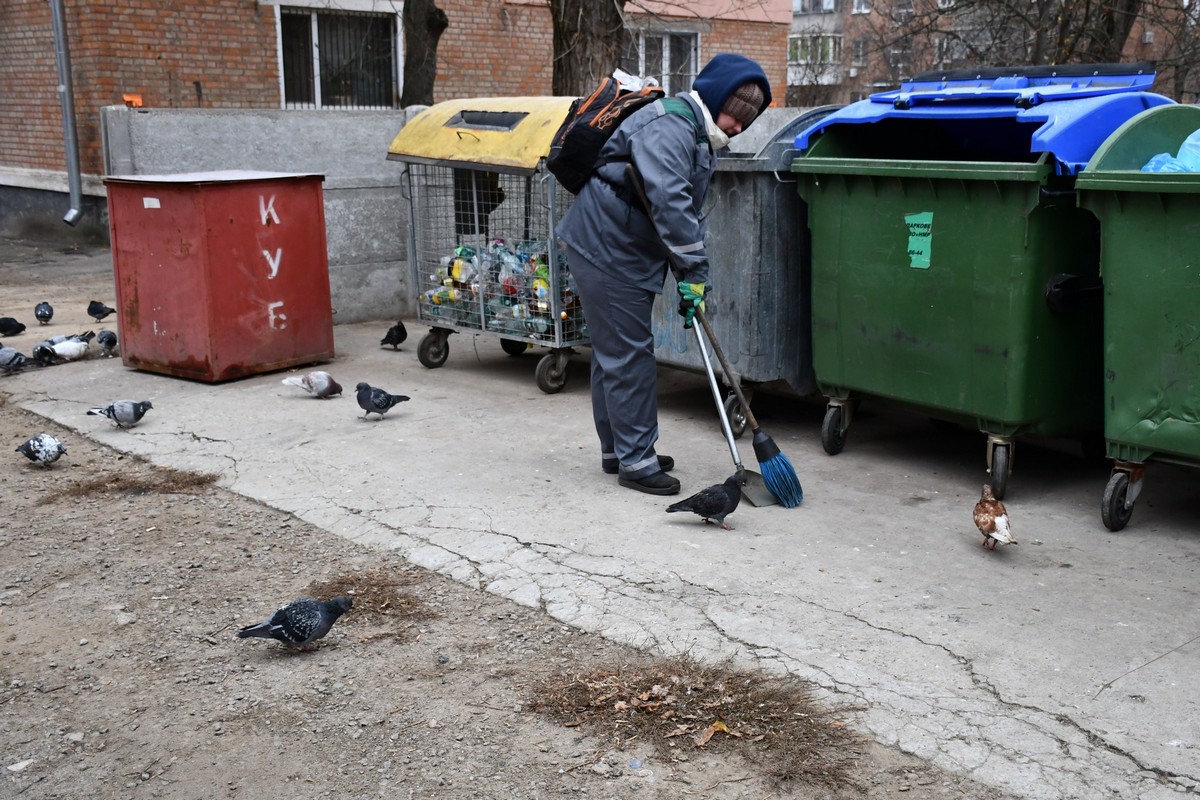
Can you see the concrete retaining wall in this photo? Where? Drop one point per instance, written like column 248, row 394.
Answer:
column 365, row 214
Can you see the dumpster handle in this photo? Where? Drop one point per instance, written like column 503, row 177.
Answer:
column 405, row 185
column 467, row 133
column 778, row 179
column 547, row 199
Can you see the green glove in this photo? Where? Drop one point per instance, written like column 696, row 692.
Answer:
column 691, row 297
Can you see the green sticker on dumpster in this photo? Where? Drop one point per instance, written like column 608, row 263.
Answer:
column 920, row 238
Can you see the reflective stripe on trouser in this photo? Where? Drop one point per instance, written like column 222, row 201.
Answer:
column 624, row 370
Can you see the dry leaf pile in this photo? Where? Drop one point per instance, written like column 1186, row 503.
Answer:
column 679, row 705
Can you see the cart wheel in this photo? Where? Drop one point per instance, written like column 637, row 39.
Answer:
column 1113, row 509
column 513, row 347
column 833, row 435
column 433, row 349
column 999, row 470
column 737, row 417
column 551, row 374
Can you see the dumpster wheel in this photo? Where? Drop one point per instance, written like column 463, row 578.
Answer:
column 551, row 374
column 433, row 349
column 999, row 468
column 514, row 347
column 833, row 434
column 735, row 414
column 1114, row 511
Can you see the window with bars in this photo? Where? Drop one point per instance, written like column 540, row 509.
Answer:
column 338, row 59
column 668, row 57
column 814, row 6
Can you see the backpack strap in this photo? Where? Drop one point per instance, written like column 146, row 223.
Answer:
column 682, row 108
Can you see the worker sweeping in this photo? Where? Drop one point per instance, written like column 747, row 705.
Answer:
column 618, row 255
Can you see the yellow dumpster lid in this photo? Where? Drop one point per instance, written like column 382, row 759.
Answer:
column 512, row 133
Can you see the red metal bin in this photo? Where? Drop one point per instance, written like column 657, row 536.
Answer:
column 220, row 275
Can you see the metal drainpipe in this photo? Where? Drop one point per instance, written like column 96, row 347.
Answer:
column 67, row 99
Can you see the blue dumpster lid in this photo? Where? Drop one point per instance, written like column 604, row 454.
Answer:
column 1074, row 107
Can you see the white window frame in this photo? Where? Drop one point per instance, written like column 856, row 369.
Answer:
column 860, row 7
column 370, row 6
column 814, row 6
column 659, row 71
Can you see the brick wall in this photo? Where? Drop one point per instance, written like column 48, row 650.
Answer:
column 222, row 54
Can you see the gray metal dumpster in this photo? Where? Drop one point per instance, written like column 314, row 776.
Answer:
column 759, row 270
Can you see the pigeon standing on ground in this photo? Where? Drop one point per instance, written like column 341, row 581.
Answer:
column 107, row 341
column 991, row 517
column 43, row 449
column 317, row 383
column 395, row 336
column 63, row 348
column 11, row 360
column 300, row 622
column 125, row 413
column 10, row 327
column 98, row 311
column 375, row 400
column 714, row 503
column 44, row 312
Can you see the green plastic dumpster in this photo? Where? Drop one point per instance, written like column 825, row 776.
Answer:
column 952, row 270
column 1150, row 264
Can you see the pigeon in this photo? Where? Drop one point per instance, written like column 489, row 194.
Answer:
column 317, row 383
column 991, row 517
column 378, row 401
column 98, row 311
column 44, row 312
column 11, row 360
column 43, row 449
column 107, row 340
column 395, row 336
column 714, row 503
column 125, row 413
column 300, row 622
column 10, row 327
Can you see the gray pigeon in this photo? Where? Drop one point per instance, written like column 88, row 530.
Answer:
column 10, row 327
column 300, row 622
column 125, row 413
column 98, row 311
column 395, row 336
column 317, row 383
column 11, row 360
column 107, row 341
column 374, row 400
column 44, row 312
column 714, row 503
column 43, row 449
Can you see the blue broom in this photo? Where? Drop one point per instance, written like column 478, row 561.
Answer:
column 778, row 473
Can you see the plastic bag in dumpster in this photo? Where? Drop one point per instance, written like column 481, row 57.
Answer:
column 1188, row 159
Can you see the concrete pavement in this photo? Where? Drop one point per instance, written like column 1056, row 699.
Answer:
column 1063, row 667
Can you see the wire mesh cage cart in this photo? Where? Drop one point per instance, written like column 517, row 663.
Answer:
column 481, row 242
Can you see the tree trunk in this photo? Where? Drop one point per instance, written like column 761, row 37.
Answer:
column 588, row 36
column 424, row 23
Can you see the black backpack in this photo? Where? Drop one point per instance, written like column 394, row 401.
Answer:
column 575, row 149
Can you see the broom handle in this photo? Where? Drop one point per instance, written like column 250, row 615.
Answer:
column 636, row 180
column 716, row 393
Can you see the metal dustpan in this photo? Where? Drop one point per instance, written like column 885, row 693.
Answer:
column 754, row 487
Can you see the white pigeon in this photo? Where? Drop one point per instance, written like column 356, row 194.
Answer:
column 70, row 350
column 318, row 383
column 42, row 449
column 125, row 413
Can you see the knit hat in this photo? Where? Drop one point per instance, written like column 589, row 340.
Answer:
column 744, row 104
column 724, row 75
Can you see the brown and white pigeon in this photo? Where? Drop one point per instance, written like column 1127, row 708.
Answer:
column 991, row 517
column 318, row 383
column 395, row 336
column 300, row 622
column 373, row 400
column 715, row 503
column 125, row 413
column 43, row 449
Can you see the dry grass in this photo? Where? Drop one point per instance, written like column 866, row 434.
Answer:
column 380, row 596
column 162, row 480
column 679, row 705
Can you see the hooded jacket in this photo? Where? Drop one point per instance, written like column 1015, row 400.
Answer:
column 676, row 164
